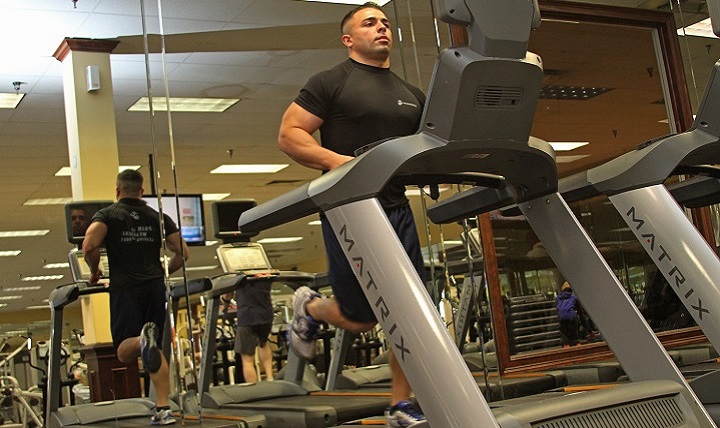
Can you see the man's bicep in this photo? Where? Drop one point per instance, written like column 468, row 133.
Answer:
column 95, row 235
column 297, row 117
column 174, row 241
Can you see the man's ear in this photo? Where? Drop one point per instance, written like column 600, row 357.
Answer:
column 346, row 40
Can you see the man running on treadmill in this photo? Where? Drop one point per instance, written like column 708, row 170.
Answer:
column 130, row 231
column 357, row 102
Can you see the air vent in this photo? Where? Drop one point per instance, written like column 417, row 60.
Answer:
column 577, row 93
column 498, row 97
column 658, row 413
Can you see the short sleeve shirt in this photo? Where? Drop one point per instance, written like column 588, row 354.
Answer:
column 254, row 305
column 133, row 242
column 361, row 104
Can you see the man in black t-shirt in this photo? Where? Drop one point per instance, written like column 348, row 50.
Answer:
column 130, row 232
column 358, row 102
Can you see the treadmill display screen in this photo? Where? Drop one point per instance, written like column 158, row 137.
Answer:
column 244, row 258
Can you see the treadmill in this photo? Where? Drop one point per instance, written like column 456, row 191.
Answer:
column 297, row 400
column 476, row 125
column 116, row 413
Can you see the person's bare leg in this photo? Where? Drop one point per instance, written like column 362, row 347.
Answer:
column 249, row 368
column 400, row 387
column 129, row 350
column 266, row 360
column 128, row 353
column 161, row 381
column 328, row 310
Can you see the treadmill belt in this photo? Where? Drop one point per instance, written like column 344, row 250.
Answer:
column 315, row 411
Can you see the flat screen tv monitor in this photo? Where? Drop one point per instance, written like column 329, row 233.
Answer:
column 77, row 218
column 191, row 218
column 225, row 219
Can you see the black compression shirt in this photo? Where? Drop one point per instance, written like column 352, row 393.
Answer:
column 360, row 104
column 133, row 242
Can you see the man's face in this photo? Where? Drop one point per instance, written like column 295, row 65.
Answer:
column 369, row 34
column 78, row 219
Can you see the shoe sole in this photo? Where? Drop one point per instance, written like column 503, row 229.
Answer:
column 150, row 354
column 308, row 353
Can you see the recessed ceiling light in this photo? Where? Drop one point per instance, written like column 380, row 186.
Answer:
column 38, row 307
column 214, row 196
column 354, row 2
column 10, row 297
column 23, row 233
column 698, row 29
column 314, row 223
column 249, row 169
column 47, row 201
column 10, row 253
column 563, row 146
column 279, row 240
column 42, row 278
column 65, row 171
column 57, row 265
column 192, row 105
column 10, row 100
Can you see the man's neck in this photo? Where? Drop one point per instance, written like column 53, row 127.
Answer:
column 382, row 62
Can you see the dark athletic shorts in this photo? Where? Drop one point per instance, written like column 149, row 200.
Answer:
column 346, row 288
column 131, row 309
column 248, row 337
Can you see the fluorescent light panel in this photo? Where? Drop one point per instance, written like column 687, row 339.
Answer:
column 354, row 2
column 31, row 288
column 38, row 307
column 416, row 191
column 10, row 100
column 189, row 105
column 314, row 223
column 563, row 146
column 65, row 171
column 199, row 268
column 47, row 201
column 23, row 233
column 698, row 29
column 10, row 297
column 249, row 169
column 279, row 240
column 42, row 278
column 10, row 253
column 214, row 196
column 57, row 265
column 568, row 159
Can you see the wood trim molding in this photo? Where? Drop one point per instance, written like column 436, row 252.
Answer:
column 84, row 45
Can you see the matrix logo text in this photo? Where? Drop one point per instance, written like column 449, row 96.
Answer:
column 664, row 261
column 365, row 276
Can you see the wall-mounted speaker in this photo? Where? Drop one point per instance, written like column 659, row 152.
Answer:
column 92, row 76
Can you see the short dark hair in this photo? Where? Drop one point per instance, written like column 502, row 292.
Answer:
column 130, row 181
column 366, row 5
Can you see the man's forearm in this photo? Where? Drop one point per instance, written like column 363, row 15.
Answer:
column 176, row 262
column 92, row 258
